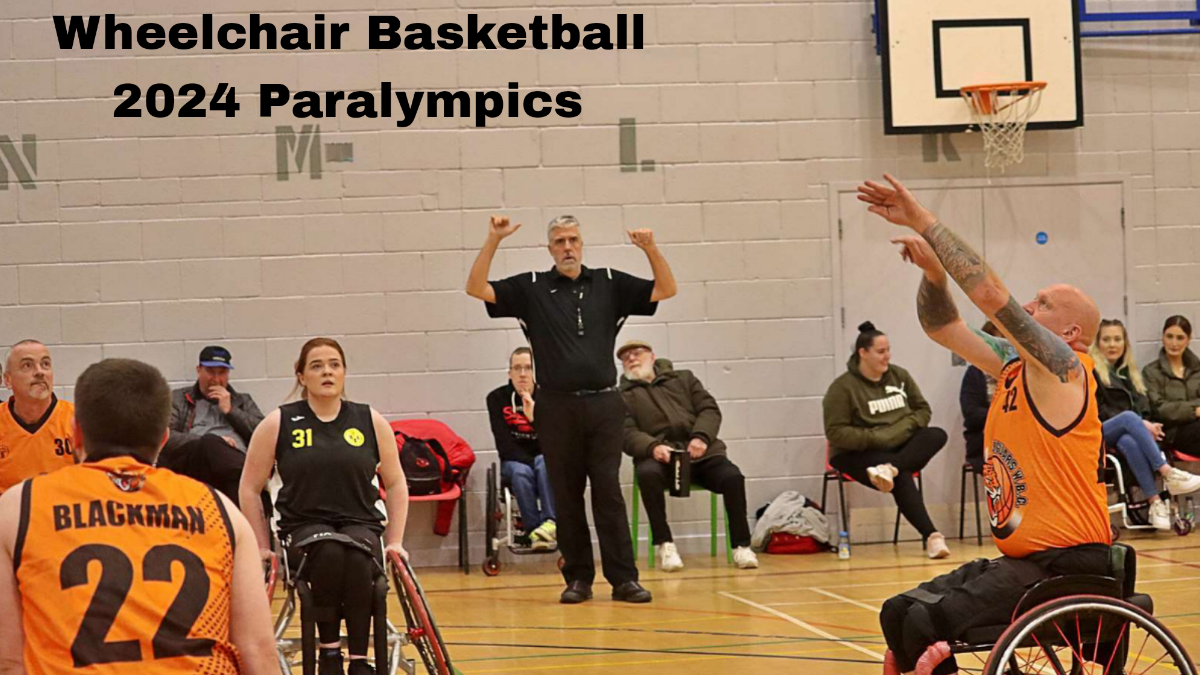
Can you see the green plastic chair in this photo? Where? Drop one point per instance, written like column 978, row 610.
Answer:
column 635, row 526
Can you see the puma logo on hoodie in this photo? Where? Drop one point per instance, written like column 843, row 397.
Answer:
column 895, row 402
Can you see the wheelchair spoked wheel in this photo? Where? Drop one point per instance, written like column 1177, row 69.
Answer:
column 418, row 617
column 1088, row 635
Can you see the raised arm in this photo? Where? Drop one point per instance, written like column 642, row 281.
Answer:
column 1046, row 352
column 938, row 313
column 664, row 279
column 477, row 280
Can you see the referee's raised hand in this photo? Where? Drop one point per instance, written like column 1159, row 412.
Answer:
column 642, row 239
column 501, row 227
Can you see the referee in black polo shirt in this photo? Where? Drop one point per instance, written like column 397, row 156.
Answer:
column 571, row 315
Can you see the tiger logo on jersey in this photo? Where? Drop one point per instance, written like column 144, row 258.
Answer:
column 127, row 482
column 1004, row 485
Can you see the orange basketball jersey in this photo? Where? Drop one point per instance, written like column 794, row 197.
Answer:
column 123, row 567
column 32, row 450
column 1044, row 486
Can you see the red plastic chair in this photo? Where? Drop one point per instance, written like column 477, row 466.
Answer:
column 455, row 494
column 842, row 478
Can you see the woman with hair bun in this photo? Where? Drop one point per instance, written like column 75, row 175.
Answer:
column 877, row 425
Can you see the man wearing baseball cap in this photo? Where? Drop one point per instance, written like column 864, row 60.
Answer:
column 211, row 425
column 670, row 413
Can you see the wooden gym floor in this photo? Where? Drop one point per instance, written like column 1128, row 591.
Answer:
column 798, row 614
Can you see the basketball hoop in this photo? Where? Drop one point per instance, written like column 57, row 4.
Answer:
column 1003, row 120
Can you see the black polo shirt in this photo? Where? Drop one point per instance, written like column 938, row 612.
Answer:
column 572, row 324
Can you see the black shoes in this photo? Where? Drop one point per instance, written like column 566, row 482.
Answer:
column 360, row 667
column 576, row 592
column 631, row 591
column 329, row 662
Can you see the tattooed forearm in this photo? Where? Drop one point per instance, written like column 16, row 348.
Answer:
column 963, row 264
column 935, row 307
column 1045, row 347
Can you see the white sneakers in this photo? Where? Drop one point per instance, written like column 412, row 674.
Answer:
column 669, row 560
column 935, row 546
column 668, row 557
column 1160, row 515
column 744, row 558
column 882, row 476
column 1180, row 482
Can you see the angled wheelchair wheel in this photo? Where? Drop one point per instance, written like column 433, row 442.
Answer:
column 1088, row 634
column 420, row 628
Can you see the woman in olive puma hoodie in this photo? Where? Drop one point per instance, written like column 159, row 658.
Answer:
column 877, row 426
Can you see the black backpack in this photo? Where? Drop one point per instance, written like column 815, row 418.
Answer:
column 426, row 465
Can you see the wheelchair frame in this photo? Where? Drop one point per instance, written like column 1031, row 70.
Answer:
column 1180, row 523
column 1060, row 596
column 420, row 631
column 506, row 511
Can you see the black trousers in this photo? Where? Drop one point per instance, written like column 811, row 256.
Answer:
column 980, row 593
column 715, row 474
column 208, row 459
column 342, row 580
column 1186, row 437
column 910, row 457
column 582, row 439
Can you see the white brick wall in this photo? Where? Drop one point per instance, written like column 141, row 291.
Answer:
column 152, row 238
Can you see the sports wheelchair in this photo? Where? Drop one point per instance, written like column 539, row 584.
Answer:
column 1135, row 512
column 501, row 511
column 420, row 630
column 1077, row 625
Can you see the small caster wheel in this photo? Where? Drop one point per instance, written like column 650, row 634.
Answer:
column 491, row 567
column 1182, row 527
column 1116, row 532
column 562, row 562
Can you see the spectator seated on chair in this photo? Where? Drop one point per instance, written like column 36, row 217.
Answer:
column 327, row 451
column 1173, row 386
column 877, row 424
column 1123, row 406
column 522, row 465
column 671, row 411
column 211, row 425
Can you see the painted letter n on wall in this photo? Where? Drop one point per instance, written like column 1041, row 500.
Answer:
column 22, row 162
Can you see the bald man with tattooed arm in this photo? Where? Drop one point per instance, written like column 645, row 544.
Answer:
column 1043, row 451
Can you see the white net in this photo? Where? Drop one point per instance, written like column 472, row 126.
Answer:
column 1002, row 112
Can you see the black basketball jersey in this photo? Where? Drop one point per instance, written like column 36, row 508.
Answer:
column 327, row 468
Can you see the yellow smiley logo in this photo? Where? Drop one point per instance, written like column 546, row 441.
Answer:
column 354, row 437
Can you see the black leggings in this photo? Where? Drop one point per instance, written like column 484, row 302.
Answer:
column 342, row 580
column 910, row 457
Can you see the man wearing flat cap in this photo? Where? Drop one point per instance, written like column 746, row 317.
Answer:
column 671, row 413
column 211, row 425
